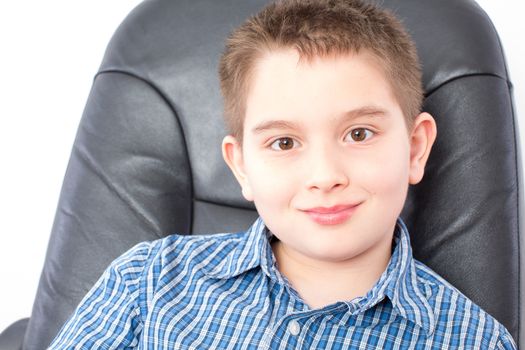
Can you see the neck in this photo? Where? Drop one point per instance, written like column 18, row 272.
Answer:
column 321, row 283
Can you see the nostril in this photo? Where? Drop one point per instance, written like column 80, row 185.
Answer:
column 327, row 185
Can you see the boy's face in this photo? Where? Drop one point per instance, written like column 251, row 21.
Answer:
column 326, row 155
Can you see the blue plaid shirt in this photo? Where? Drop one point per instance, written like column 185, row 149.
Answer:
column 224, row 291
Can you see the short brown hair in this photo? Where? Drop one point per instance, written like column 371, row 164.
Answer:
column 317, row 28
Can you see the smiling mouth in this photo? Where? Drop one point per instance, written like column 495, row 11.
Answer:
column 332, row 215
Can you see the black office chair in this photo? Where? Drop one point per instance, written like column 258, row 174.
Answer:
column 146, row 161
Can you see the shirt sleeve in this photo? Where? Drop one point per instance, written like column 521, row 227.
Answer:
column 109, row 316
column 505, row 341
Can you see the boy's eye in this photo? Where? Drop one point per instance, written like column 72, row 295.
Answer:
column 283, row 144
column 359, row 135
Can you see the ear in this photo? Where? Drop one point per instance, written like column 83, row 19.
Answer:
column 232, row 154
column 422, row 138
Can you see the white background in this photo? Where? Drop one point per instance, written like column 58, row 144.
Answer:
column 49, row 52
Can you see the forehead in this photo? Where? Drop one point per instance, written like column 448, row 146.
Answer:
column 286, row 87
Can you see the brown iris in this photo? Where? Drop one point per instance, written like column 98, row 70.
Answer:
column 358, row 134
column 285, row 143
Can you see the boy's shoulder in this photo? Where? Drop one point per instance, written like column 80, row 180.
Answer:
column 442, row 295
column 455, row 313
column 202, row 254
column 178, row 248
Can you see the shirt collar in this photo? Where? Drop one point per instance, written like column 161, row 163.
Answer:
column 398, row 282
column 252, row 250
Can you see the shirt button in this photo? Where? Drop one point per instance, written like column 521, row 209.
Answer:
column 294, row 327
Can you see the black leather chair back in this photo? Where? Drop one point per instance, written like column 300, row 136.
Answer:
column 146, row 161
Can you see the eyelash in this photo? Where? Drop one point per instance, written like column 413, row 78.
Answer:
column 275, row 144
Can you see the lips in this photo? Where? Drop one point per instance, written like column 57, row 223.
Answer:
column 335, row 215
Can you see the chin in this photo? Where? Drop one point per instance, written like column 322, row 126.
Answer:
column 335, row 252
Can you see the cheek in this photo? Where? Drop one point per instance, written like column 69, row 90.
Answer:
column 386, row 171
column 270, row 182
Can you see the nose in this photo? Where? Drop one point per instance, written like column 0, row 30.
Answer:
column 326, row 170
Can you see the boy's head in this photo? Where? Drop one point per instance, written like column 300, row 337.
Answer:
column 319, row 28
column 324, row 149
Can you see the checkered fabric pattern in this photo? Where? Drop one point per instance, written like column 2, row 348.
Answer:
column 223, row 291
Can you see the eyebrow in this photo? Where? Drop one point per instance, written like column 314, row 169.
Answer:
column 365, row 111
column 272, row 125
column 283, row 124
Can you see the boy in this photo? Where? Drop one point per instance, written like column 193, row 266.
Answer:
column 322, row 100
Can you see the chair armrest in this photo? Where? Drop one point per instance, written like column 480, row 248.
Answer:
column 13, row 336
